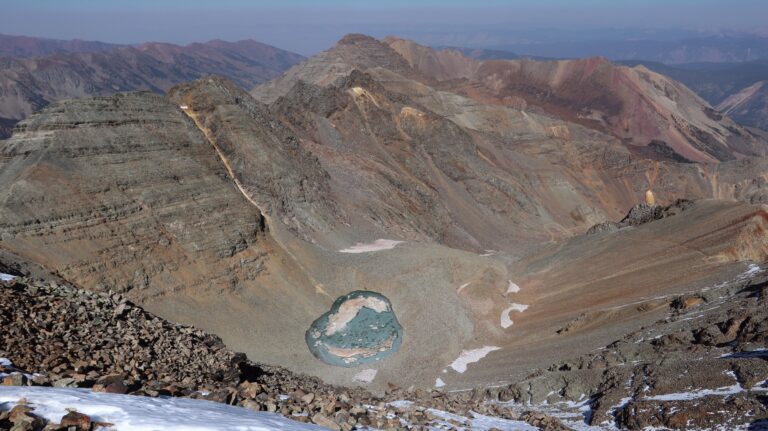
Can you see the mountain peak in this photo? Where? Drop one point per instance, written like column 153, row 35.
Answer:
column 356, row 38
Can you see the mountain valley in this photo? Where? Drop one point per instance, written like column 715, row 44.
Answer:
column 561, row 244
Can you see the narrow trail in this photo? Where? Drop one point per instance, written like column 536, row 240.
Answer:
column 224, row 160
column 209, row 137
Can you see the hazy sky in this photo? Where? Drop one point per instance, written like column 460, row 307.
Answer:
column 308, row 26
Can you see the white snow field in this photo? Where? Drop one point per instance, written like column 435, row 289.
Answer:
column 470, row 356
column 137, row 413
column 701, row 393
column 478, row 422
column 8, row 365
column 474, row 421
column 505, row 320
column 365, row 376
column 752, row 270
column 512, row 287
column 378, row 245
column 6, row 277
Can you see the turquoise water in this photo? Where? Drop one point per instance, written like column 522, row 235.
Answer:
column 377, row 334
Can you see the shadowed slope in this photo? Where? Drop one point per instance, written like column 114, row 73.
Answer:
column 750, row 105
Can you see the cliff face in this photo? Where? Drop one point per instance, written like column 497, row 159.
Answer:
column 284, row 179
column 87, row 196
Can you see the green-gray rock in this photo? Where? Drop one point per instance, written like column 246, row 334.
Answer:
column 360, row 328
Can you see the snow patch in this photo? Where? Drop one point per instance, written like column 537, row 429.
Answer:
column 477, row 422
column 378, row 245
column 401, row 404
column 439, row 383
column 349, row 309
column 506, row 322
column 761, row 386
column 512, row 288
column 462, row 287
column 137, row 413
column 701, row 393
column 8, row 365
column 695, row 395
column 6, row 277
column 471, row 356
column 752, row 270
column 757, row 353
column 365, row 376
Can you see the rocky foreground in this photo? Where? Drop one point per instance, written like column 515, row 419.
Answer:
column 58, row 335
column 703, row 366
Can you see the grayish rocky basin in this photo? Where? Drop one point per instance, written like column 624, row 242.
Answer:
column 360, row 328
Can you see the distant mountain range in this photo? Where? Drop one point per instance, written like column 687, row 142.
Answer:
column 737, row 88
column 25, row 46
column 734, row 88
column 75, row 69
column 36, row 71
column 669, row 48
column 749, row 105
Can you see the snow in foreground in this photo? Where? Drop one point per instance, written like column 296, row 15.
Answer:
column 6, row 277
column 378, row 245
column 470, row 356
column 137, row 413
column 365, row 376
column 475, row 421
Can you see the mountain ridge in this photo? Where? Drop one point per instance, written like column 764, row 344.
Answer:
column 29, row 84
column 27, row 46
column 577, row 90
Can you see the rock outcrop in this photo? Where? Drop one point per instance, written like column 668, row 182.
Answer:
column 641, row 214
column 700, row 365
column 281, row 176
column 87, row 196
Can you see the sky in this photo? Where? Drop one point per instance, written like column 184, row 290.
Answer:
column 309, row 26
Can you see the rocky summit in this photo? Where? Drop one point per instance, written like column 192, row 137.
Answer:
column 395, row 237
